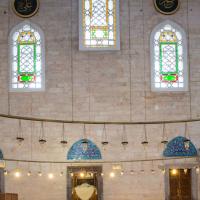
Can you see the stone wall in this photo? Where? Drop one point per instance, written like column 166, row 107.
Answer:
column 97, row 86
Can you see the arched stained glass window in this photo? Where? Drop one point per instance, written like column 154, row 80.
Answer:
column 99, row 25
column 27, row 58
column 169, row 58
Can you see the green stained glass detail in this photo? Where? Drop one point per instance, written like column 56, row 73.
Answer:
column 169, row 77
column 26, row 58
column 26, row 78
column 94, row 34
column 105, row 33
column 168, row 58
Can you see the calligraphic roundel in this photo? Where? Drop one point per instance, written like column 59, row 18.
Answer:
column 167, row 7
column 25, row 8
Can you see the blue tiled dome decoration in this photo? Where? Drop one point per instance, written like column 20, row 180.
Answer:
column 177, row 148
column 1, row 155
column 77, row 152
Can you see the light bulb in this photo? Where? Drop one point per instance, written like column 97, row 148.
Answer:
column 142, row 171
column 124, row 144
column 61, row 173
column 29, row 173
column 153, row 171
column 197, row 170
column 185, row 171
column 19, row 140
column 187, row 144
column 39, row 173
column 102, row 174
column 17, row 174
column 174, row 172
column 112, row 174
column 50, row 175
column 5, row 172
column 163, row 171
column 71, row 174
column 82, row 174
column 122, row 173
column 85, row 145
column 132, row 172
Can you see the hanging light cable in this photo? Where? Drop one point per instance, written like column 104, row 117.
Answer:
column 145, row 141
column 163, row 167
column 5, row 169
column 84, row 140
column 29, row 171
column 61, row 170
column 40, row 170
column 164, row 137
column 63, row 140
column 122, row 169
column 104, row 141
column 50, row 174
column 124, row 137
column 152, row 167
column 142, row 168
column 17, row 171
column 19, row 137
column 42, row 139
column 131, row 170
column 186, row 140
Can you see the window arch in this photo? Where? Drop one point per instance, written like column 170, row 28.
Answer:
column 169, row 67
column 99, row 25
column 27, row 59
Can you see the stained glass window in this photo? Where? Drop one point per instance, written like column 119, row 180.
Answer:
column 99, row 25
column 169, row 58
column 27, row 58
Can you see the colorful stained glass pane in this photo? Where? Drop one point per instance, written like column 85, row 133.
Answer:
column 99, row 19
column 168, row 58
column 26, row 58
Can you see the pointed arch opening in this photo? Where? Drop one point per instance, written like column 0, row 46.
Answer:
column 27, row 58
column 169, row 65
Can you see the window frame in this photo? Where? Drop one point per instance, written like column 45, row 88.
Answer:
column 43, row 67
column 82, row 47
column 185, row 58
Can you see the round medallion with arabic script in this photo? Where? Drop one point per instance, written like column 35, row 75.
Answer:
column 25, row 8
column 167, row 7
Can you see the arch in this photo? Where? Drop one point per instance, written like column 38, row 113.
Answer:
column 169, row 65
column 77, row 152
column 177, row 148
column 27, row 58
